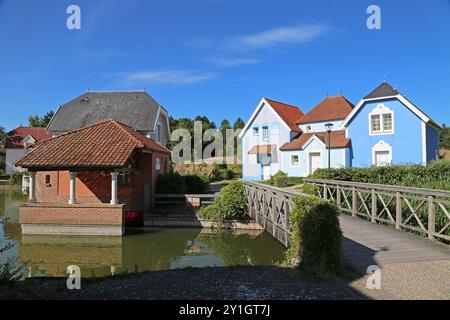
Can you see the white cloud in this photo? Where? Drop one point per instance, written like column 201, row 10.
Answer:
column 166, row 77
column 231, row 62
column 277, row 36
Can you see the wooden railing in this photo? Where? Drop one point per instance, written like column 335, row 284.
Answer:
column 270, row 207
column 423, row 211
column 195, row 200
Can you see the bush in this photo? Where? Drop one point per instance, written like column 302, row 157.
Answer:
column 436, row 175
column 170, row 183
column 280, row 180
column 316, row 239
column 16, row 178
column 230, row 205
column 232, row 200
column 196, row 183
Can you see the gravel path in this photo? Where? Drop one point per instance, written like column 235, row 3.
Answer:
column 239, row 283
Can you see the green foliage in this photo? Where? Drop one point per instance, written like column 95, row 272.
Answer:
column 10, row 270
column 233, row 201
column 175, row 183
column 436, row 175
column 222, row 172
column 196, row 183
column 170, row 183
column 444, row 137
column 316, row 239
column 279, row 180
column 36, row 121
column 16, row 178
column 230, row 205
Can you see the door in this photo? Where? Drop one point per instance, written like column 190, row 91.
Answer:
column 266, row 172
column 382, row 158
column 315, row 162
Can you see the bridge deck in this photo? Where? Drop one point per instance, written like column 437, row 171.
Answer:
column 367, row 244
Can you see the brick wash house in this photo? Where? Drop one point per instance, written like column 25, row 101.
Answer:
column 82, row 182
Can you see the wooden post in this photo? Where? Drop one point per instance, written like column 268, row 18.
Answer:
column 274, row 211
column 325, row 192
column 264, row 205
column 398, row 210
column 431, row 218
column 354, row 201
column 338, row 195
column 286, row 222
column 374, row 206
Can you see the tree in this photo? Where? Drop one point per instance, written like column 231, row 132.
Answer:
column 2, row 151
column 239, row 124
column 2, row 134
column 444, row 137
column 36, row 121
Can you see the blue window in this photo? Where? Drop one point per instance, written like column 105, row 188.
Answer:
column 265, row 133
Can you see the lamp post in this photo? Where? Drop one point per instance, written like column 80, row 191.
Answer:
column 329, row 126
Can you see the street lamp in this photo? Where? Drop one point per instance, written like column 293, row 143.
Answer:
column 329, row 126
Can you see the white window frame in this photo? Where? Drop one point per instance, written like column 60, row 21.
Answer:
column 256, row 131
column 383, row 147
column 298, row 160
column 158, row 164
column 159, row 132
column 379, row 111
column 265, row 133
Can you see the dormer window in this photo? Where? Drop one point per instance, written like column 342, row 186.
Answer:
column 255, row 131
column 381, row 120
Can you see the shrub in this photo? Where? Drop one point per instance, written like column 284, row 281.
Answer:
column 196, row 183
column 170, row 183
column 232, row 200
column 316, row 239
column 436, row 175
column 230, row 205
column 16, row 178
column 280, row 180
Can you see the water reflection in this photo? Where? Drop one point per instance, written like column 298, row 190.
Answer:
column 139, row 250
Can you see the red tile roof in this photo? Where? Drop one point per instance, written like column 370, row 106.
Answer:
column 107, row 144
column 331, row 108
column 262, row 149
column 290, row 114
column 338, row 140
column 14, row 138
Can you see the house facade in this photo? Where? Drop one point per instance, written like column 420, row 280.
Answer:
column 270, row 126
column 20, row 141
column 383, row 128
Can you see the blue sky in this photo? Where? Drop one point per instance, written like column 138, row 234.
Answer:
column 219, row 57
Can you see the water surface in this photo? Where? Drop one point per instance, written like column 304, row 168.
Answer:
column 140, row 250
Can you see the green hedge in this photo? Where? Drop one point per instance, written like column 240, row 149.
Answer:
column 174, row 183
column 230, row 205
column 16, row 178
column 316, row 240
column 436, row 175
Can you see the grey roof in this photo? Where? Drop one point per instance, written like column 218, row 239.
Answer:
column 383, row 90
column 136, row 109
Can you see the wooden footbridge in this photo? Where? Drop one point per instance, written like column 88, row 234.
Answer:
column 381, row 224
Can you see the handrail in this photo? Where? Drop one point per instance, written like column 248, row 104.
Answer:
column 423, row 191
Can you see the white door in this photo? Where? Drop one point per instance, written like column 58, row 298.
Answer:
column 266, row 172
column 315, row 162
column 382, row 158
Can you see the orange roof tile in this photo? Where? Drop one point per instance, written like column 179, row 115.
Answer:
column 331, row 108
column 107, row 144
column 338, row 140
column 290, row 114
column 262, row 149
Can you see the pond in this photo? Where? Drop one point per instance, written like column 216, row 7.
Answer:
column 140, row 250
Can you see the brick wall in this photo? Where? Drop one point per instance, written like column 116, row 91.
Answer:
column 71, row 215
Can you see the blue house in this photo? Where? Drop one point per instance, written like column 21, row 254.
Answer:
column 383, row 128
